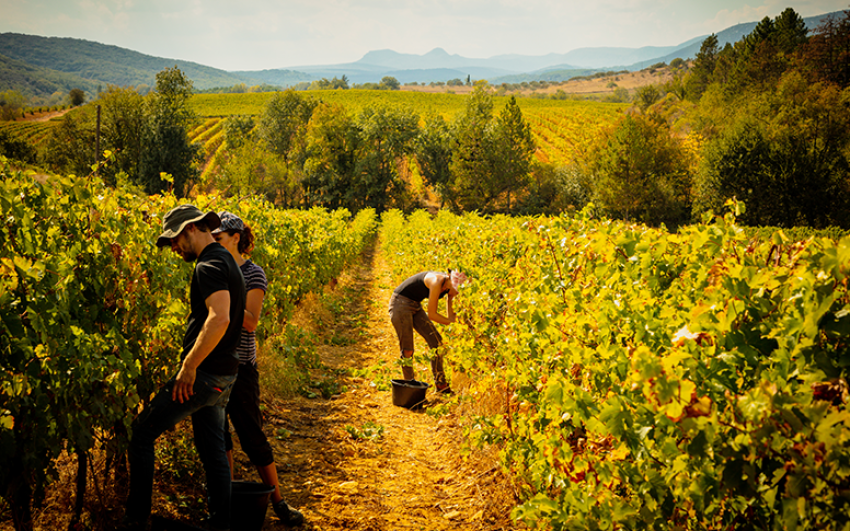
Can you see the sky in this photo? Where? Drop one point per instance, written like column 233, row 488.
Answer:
column 265, row 34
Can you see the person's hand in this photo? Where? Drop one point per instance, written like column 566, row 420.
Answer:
column 183, row 385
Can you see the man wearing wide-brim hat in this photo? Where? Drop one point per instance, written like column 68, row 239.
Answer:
column 207, row 372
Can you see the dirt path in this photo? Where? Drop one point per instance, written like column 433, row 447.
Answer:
column 412, row 476
column 44, row 116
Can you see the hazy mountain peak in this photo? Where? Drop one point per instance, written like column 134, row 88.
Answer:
column 436, row 58
column 437, row 52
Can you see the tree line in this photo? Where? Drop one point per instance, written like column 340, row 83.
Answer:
column 303, row 152
column 765, row 120
column 146, row 136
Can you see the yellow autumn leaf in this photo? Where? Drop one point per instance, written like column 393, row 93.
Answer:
column 619, row 453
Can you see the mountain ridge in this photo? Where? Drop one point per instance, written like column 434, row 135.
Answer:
column 518, row 67
column 39, row 65
column 104, row 64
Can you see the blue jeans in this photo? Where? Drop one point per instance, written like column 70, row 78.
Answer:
column 206, row 406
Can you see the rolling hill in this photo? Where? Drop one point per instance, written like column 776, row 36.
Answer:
column 41, row 66
column 35, row 80
column 102, row 64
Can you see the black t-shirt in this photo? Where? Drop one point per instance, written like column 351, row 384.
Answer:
column 216, row 270
column 414, row 288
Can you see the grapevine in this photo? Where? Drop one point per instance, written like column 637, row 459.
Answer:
column 652, row 380
column 92, row 314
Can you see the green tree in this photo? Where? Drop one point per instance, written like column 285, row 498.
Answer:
column 11, row 103
column 826, row 55
column 390, row 83
column 675, row 86
column 703, row 70
column 330, row 158
column 764, row 32
column 791, row 31
column 341, row 83
column 123, row 115
column 765, row 54
column 759, row 60
column 642, row 172
column 471, row 161
column 285, row 117
column 490, row 157
column 386, row 135
column 620, row 95
column 734, row 167
column 647, row 96
column 239, row 130
column 434, row 154
column 785, row 156
column 122, row 124
column 555, row 189
column 77, row 97
column 166, row 146
column 513, row 151
column 15, row 148
column 248, row 169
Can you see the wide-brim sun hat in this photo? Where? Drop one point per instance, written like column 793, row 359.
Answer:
column 178, row 217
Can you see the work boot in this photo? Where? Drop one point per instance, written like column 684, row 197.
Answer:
column 444, row 390
column 287, row 514
column 439, row 374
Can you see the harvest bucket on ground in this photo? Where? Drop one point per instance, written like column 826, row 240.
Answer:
column 248, row 503
column 409, row 393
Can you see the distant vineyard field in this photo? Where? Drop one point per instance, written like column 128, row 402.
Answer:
column 562, row 129
column 33, row 133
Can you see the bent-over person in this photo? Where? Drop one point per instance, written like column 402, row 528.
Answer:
column 407, row 315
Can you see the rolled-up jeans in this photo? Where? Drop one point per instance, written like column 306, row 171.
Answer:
column 207, row 408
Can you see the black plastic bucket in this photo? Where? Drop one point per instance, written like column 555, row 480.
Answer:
column 409, row 393
column 248, row 503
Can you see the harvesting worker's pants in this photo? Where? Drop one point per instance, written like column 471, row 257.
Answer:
column 206, row 406
column 407, row 315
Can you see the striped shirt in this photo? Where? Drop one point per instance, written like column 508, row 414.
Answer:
column 255, row 278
